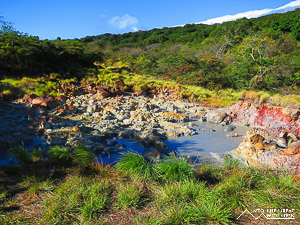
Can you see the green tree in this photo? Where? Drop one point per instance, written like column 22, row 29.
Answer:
column 258, row 50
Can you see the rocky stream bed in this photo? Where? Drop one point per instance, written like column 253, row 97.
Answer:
column 153, row 127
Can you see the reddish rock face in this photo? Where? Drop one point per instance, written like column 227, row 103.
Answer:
column 275, row 120
column 271, row 123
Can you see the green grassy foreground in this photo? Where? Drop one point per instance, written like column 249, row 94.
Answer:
column 71, row 189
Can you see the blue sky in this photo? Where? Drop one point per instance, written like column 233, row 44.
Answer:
column 74, row 18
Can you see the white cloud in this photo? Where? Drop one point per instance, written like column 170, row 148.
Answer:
column 291, row 4
column 251, row 14
column 135, row 29
column 123, row 22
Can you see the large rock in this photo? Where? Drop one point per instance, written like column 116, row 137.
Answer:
column 216, row 116
column 152, row 154
column 44, row 102
column 39, row 101
column 102, row 93
column 140, row 116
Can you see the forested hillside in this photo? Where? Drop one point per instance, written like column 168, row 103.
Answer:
column 261, row 53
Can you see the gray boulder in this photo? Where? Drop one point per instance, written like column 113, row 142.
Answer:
column 216, row 116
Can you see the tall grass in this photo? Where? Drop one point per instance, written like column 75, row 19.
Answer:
column 208, row 195
column 179, row 191
column 230, row 163
column 77, row 200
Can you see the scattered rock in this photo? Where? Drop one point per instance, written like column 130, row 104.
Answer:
column 174, row 117
column 256, row 138
column 102, row 93
column 259, row 145
column 152, row 154
column 229, row 128
column 231, row 135
column 208, row 130
column 203, row 119
column 112, row 142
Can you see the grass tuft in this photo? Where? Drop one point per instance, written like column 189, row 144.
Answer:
column 82, row 155
column 129, row 195
column 134, row 164
column 230, row 163
column 21, row 154
column 173, row 168
column 60, row 155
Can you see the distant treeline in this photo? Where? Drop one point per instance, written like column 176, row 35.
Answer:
column 260, row 53
column 191, row 34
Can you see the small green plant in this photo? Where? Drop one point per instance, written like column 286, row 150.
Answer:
column 42, row 186
column 238, row 187
column 25, row 156
column 135, row 165
column 130, row 195
column 37, row 154
column 212, row 211
column 277, row 190
column 173, row 168
column 82, row 155
column 13, row 219
column 37, row 184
